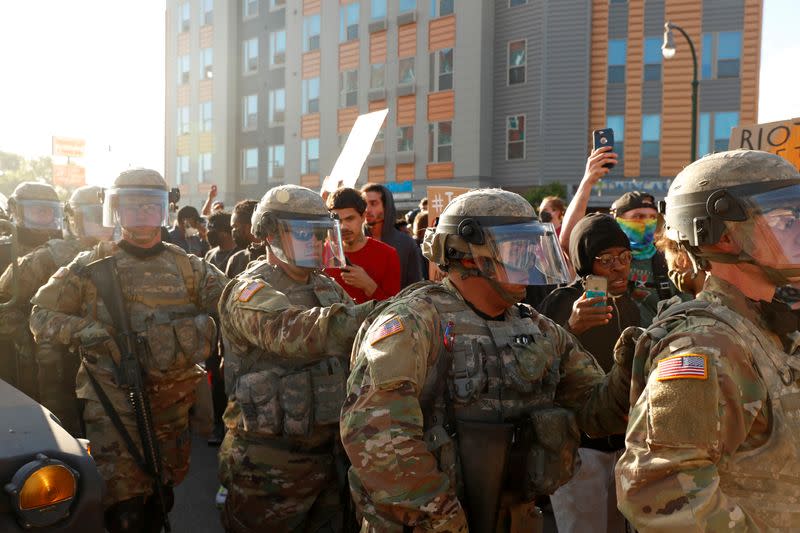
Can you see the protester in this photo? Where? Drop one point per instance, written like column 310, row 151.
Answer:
column 220, row 237
column 552, row 210
column 250, row 248
column 419, row 227
column 599, row 247
column 380, row 215
column 373, row 269
column 210, row 206
column 189, row 232
column 412, row 215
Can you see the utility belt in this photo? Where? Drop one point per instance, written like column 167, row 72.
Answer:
column 531, row 456
column 291, row 403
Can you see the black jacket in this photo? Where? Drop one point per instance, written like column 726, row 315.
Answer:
column 407, row 249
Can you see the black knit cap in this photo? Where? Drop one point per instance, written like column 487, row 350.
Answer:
column 593, row 234
column 632, row 200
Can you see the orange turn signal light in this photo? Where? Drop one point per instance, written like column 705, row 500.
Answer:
column 48, row 485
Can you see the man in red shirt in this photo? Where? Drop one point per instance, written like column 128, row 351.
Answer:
column 373, row 269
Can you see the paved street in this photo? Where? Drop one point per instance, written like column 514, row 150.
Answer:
column 194, row 510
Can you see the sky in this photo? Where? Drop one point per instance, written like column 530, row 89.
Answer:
column 94, row 69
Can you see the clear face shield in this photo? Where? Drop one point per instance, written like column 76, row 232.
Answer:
column 776, row 217
column 132, row 208
column 89, row 222
column 40, row 215
column 527, row 253
column 314, row 243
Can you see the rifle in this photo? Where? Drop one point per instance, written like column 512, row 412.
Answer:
column 130, row 376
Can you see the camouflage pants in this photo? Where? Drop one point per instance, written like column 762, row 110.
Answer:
column 277, row 490
column 123, row 477
column 57, row 368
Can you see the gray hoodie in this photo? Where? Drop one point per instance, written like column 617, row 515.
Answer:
column 407, row 249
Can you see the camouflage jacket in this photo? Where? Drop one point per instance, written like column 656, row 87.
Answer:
column 286, row 346
column 33, row 271
column 712, row 438
column 402, row 473
column 169, row 297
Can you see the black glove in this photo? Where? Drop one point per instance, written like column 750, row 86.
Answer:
column 626, row 347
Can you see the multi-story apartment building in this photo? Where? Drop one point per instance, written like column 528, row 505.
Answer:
column 480, row 93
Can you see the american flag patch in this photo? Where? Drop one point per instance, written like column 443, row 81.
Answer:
column 251, row 288
column 685, row 366
column 387, row 329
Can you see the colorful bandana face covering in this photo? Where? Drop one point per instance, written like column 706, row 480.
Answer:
column 641, row 233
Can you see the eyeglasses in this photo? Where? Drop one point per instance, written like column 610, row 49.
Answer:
column 608, row 260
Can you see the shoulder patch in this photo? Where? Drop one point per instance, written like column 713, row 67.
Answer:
column 389, row 327
column 683, row 366
column 61, row 272
column 250, row 290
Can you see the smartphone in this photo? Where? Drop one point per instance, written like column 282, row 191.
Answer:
column 596, row 287
column 604, row 138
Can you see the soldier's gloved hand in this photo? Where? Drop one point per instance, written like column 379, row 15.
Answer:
column 94, row 333
column 362, row 310
column 625, row 348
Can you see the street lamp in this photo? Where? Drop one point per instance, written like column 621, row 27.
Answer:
column 668, row 51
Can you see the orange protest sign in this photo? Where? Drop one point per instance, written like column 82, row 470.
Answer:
column 781, row 138
column 68, row 147
column 69, row 176
column 438, row 198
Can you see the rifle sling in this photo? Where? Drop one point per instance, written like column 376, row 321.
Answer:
column 120, row 427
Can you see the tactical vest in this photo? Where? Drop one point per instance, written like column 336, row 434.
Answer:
column 64, row 251
column 491, row 395
column 163, row 310
column 277, row 397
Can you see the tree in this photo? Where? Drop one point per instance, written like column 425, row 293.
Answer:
column 14, row 169
column 536, row 194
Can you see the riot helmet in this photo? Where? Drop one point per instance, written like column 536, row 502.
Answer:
column 298, row 228
column 138, row 198
column 500, row 232
column 84, row 214
column 753, row 195
column 35, row 206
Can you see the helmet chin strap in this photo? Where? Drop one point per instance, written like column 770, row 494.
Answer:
column 778, row 276
column 465, row 273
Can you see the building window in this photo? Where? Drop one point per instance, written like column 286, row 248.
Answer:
column 184, row 64
column 348, row 22
column 440, row 142
column 275, row 162
column 405, row 139
column 406, row 71
column 206, row 63
column 378, row 9
column 250, row 56
column 249, row 8
column 309, row 156
column 311, row 30
column 183, row 120
column 514, row 3
column 206, row 118
column 277, row 4
column 441, row 74
column 515, row 137
column 651, row 135
column 204, row 174
column 182, row 170
column 379, row 146
column 722, row 53
column 377, row 76
column 185, row 17
column 311, row 95
column 517, row 61
column 652, row 59
column 617, row 51
column 348, row 88
column 208, row 12
column 277, row 48
column 277, row 106
column 718, row 124
column 250, row 112
column 617, row 123
column 440, row 8
column 249, row 166
column 407, row 5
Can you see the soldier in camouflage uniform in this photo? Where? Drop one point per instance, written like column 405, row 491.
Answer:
column 37, row 212
column 48, row 372
column 712, row 442
column 446, row 376
column 169, row 296
column 288, row 330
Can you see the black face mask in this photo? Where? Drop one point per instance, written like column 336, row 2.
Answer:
column 212, row 238
column 545, row 217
